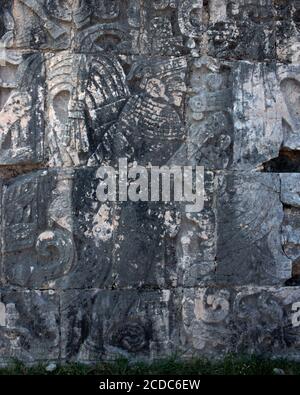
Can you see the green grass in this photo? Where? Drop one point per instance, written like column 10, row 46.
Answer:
column 231, row 365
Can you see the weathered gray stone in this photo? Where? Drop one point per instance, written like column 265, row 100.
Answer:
column 29, row 326
column 57, row 234
column 291, row 223
column 289, row 79
column 287, row 30
column 22, row 96
column 290, row 189
column 291, row 239
column 168, row 83
column 37, row 229
column 242, row 114
column 127, row 27
column 250, row 216
column 211, row 130
column 237, row 238
column 256, row 320
column 257, row 115
column 86, row 125
column 109, row 324
column 242, row 29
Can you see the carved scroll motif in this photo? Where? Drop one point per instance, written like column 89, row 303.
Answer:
column 190, row 26
column 43, row 255
column 212, row 307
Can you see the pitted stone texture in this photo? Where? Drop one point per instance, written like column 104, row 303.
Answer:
column 22, row 96
column 170, row 82
column 237, row 238
column 196, row 241
column 93, row 106
column 290, row 189
column 256, row 320
column 121, row 245
column 37, row 229
column 122, row 26
column 250, row 216
column 291, row 223
column 257, row 115
column 85, row 95
column 29, row 326
column 104, row 108
column 242, row 29
column 288, row 30
column 108, row 324
column 1, row 235
column 241, row 114
column 57, row 234
column 289, row 79
column 291, row 238
column 210, row 136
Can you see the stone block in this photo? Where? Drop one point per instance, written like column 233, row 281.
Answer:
column 242, row 320
column 107, row 324
column 237, row 238
column 22, row 99
column 29, row 326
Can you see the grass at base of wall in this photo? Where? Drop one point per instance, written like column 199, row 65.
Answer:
column 230, row 365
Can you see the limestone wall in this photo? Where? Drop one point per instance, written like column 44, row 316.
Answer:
column 212, row 83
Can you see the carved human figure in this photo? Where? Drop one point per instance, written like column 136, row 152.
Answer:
column 150, row 127
column 85, row 97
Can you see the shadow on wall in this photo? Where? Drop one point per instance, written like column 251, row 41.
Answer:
column 288, row 161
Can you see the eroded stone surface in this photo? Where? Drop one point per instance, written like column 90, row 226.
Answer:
column 168, row 82
column 246, row 30
column 109, row 324
column 29, row 326
column 241, row 114
column 240, row 320
column 96, row 113
column 156, row 27
column 57, row 234
column 22, row 95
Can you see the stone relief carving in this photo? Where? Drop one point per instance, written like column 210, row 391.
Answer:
column 288, row 29
column 188, row 82
column 253, row 334
column 21, row 114
column 126, row 323
column 161, row 92
column 212, row 307
column 134, row 26
column 289, row 85
column 253, row 222
column 29, row 329
column 67, row 134
column 205, row 320
column 210, row 138
column 37, row 250
column 252, row 320
column 290, row 226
